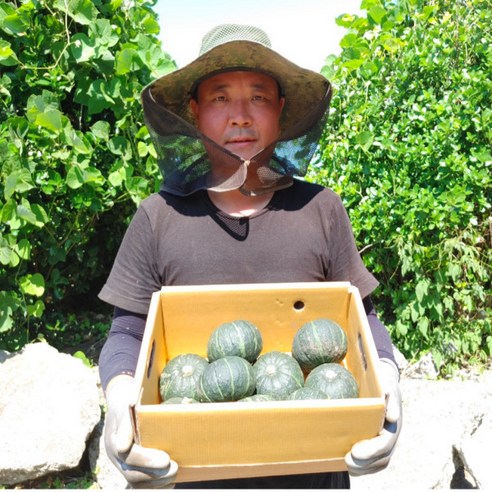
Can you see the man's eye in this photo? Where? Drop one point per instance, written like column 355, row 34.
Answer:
column 220, row 98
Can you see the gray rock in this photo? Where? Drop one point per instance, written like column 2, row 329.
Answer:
column 436, row 448
column 425, row 368
column 471, row 452
column 49, row 406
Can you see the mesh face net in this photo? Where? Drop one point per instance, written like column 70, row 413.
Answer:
column 190, row 161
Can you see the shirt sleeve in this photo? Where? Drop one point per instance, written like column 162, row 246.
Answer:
column 133, row 278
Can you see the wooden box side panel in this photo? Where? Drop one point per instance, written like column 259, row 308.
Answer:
column 234, row 433
column 153, row 354
column 361, row 356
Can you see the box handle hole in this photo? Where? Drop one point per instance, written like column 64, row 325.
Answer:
column 362, row 352
column 151, row 359
column 299, row 305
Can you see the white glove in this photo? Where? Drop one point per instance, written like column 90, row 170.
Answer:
column 373, row 455
column 142, row 467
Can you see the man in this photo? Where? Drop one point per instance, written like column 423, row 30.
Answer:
column 232, row 129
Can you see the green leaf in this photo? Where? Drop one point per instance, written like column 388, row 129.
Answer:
column 40, row 214
column 75, row 177
column 8, row 57
column 32, row 284
column 19, row 181
column 345, row 20
column 43, row 110
column 423, row 325
column 421, row 290
column 82, row 48
column 15, row 24
column 117, row 177
column 82, row 11
column 103, row 32
column 80, row 355
column 23, row 249
column 125, row 61
column 24, row 212
column 377, row 13
column 51, row 119
column 101, row 130
column 8, row 304
column 93, row 175
column 37, row 309
column 120, row 146
column 142, row 149
column 365, row 139
column 5, row 252
column 349, row 40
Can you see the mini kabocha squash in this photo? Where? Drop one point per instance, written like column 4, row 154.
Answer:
column 258, row 398
column 306, row 393
column 229, row 378
column 240, row 337
column 179, row 400
column 334, row 380
column 180, row 376
column 317, row 342
column 277, row 374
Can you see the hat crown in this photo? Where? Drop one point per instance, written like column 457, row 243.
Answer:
column 226, row 33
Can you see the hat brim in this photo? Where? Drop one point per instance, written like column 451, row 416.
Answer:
column 304, row 89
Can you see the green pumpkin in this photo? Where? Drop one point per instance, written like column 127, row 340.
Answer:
column 176, row 400
column 227, row 379
column 180, row 376
column 240, row 337
column 277, row 374
column 257, row 398
column 306, row 393
column 317, row 342
column 334, row 380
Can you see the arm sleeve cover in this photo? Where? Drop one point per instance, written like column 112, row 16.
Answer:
column 119, row 354
column 379, row 332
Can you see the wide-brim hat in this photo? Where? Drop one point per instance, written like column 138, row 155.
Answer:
column 236, row 47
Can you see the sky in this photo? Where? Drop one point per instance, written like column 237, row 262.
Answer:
column 302, row 30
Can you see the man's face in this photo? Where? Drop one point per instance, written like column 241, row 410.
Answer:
column 239, row 110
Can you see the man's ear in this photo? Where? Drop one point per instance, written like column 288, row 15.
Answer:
column 194, row 107
column 282, row 103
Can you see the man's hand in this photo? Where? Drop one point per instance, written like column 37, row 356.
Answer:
column 141, row 467
column 373, row 455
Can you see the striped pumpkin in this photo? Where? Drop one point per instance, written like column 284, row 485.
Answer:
column 277, row 374
column 306, row 393
column 180, row 376
column 334, row 380
column 240, row 337
column 317, row 342
column 227, row 379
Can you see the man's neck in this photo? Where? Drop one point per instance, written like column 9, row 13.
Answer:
column 238, row 205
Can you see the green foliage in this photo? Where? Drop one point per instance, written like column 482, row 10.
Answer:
column 76, row 156
column 409, row 149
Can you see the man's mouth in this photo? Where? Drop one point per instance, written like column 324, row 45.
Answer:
column 240, row 140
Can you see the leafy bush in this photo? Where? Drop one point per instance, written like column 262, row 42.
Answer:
column 409, row 150
column 76, row 157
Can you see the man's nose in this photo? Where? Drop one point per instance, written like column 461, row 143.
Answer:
column 240, row 114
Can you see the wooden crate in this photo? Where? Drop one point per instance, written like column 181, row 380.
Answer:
column 232, row 440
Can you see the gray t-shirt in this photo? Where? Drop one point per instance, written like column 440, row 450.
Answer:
column 303, row 235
